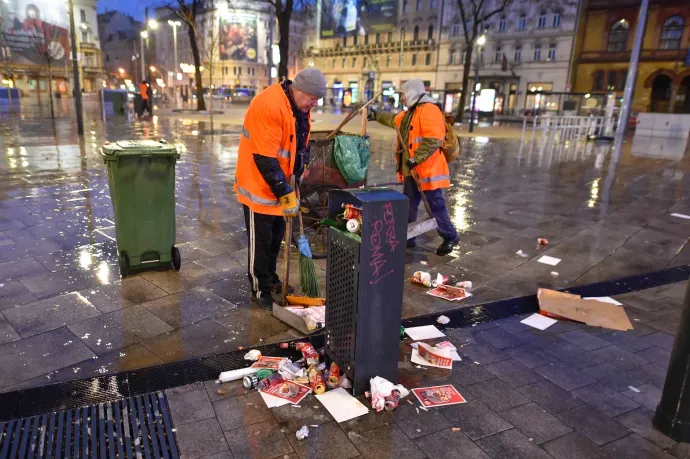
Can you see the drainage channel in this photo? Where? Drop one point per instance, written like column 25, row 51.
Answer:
column 134, row 427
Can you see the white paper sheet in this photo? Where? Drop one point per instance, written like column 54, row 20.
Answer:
column 272, row 401
column 342, row 405
column 547, row 260
column 686, row 217
column 425, row 332
column 604, row 299
column 539, row 321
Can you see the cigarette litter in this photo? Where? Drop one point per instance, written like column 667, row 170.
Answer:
column 554, row 273
column 542, row 241
column 634, row 389
column 464, row 284
column 253, row 355
column 302, row 433
column 443, row 320
column 522, row 254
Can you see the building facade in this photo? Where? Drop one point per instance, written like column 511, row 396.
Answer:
column 119, row 35
column 604, row 44
column 35, row 45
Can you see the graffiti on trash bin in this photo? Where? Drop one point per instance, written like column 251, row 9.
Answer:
column 378, row 241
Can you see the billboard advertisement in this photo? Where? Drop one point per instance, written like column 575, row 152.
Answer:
column 238, row 37
column 342, row 18
column 33, row 28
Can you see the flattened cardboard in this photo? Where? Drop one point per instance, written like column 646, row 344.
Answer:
column 292, row 320
column 559, row 305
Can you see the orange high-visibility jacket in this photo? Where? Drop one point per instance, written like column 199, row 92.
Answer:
column 427, row 121
column 268, row 130
column 144, row 91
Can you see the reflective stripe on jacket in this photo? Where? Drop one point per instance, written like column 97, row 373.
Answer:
column 427, row 122
column 268, row 130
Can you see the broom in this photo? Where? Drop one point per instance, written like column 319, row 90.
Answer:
column 308, row 279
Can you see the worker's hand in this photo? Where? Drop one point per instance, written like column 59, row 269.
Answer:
column 289, row 204
column 371, row 114
column 411, row 163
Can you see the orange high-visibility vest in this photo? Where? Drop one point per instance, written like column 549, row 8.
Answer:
column 268, row 130
column 427, row 121
column 144, row 90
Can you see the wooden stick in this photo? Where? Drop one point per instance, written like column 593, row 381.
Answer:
column 288, row 247
column 351, row 115
column 363, row 131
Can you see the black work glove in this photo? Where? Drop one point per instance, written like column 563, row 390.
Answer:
column 371, row 115
column 411, row 163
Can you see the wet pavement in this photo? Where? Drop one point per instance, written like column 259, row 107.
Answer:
column 568, row 392
column 65, row 313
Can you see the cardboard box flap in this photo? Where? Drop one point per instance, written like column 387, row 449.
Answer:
column 591, row 312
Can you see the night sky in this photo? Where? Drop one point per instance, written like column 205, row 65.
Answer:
column 134, row 8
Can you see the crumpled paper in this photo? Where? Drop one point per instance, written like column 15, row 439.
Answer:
column 382, row 388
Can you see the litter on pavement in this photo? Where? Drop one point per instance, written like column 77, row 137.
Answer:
column 302, row 433
column 449, row 293
column 594, row 312
column 539, row 321
column 253, row 355
column 522, row 254
column 342, row 405
column 384, row 394
column 431, row 397
column 547, row 260
column 432, row 356
column 443, row 320
column 686, row 217
column 424, row 332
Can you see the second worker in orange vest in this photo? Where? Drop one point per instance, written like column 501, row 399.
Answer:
column 273, row 147
column 422, row 127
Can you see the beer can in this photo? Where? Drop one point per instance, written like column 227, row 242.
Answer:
column 391, row 402
column 252, row 381
column 269, row 381
column 309, row 353
column 334, row 374
column 351, row 212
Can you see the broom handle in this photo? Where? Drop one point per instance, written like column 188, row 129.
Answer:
column 299, row 212
column 351, row 115
column 413, row 173
column 288, row 246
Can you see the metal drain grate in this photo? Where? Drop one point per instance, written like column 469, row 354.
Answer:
column 137, row 427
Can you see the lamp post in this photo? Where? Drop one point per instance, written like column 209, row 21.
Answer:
column 175, row 25
column 144, row 36
column 480, row 41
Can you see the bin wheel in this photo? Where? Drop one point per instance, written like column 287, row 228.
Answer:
column 124, row 264
column 176, row 258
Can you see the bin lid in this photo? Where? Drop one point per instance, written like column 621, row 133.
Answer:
column 139, row 147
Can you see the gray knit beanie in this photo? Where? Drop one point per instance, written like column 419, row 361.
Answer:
column 311, row 81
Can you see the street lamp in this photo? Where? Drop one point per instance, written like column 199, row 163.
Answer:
column 480, row 42
column 153, row 69
column 121, row 70
column 175, row 25
column 153, row 24
column 144, row 36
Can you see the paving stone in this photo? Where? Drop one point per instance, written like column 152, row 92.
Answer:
column 575, row 446
column 187, row 388
column 188, row 307
column 657, row 355
column 200, row 439
column 613, row 377
column 513, row 373
column 663, row 340
column 50, row 314
column 513, row 444
column 371, row 420
column 446, row 444
column 7, row 333
column 680, row 451
column 550, row 397
column 178, row 281
column 564, row 375
column 467, row 372
column 530, row 356
column 620, row 358
column 484, row 354
column 386, row 441
column 14, row 294
column 651, row 373
column 118, row 329
column 584, row 340
column 574, row 356
column 649, row 395
column 497, row 394
column 249, row 325
column 593, row 424
column 225, row 390
column 190, row 407
column 541, row 339
column 498, row 338
column 197, row 340
column 475, row 418
column 605, row 399
column 635, row 447
column 416, row 423
column 536, row 423
column 237, row 412
column 129, row 292
column 39, row 355
column 55, row 283
column 258, row 441
column 640, row 422
column 327, row 441
column 311, row 411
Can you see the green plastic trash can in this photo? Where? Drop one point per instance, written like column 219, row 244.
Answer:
column 141, row 177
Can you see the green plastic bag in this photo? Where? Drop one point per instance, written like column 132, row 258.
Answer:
column 352, row 157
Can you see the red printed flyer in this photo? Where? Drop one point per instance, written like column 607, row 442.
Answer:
column 438, row 396
column 271, row 363
column 288, row 390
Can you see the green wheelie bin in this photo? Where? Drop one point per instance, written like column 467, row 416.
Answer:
column 141, row 177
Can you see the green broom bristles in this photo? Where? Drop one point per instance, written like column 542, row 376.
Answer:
column 308, row 279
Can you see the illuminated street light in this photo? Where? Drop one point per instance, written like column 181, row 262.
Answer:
column 144, row 34
column 152, row 68
column 174, row 23
column 153, row 24
column 84, row 26
column 121, row 70
column 481, row 40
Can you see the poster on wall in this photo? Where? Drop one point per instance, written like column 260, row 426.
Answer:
column 33, row 28
column 342, row 18
column 238, row 37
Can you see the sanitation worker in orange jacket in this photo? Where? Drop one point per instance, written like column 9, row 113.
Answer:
column 422, row 126
column 273, row 147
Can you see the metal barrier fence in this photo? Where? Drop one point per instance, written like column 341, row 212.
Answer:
column 563, row 131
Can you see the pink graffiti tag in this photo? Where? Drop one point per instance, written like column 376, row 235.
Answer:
column 378, row 260
column 389, row 218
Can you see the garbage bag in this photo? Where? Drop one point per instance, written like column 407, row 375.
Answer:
column 352, row 157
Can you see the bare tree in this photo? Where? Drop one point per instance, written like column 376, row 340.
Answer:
column 474, row 14
column 210, row 56
column 188, row 13
column 49, row 50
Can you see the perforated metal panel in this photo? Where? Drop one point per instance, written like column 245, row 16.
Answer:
column 134, row 427
column 341, row 297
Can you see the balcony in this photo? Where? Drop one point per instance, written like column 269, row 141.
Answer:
column 672, row 55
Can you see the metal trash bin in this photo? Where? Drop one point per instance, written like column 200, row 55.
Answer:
column 141, row 178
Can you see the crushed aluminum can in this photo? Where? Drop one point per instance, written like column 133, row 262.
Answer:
column 542, row 241
column 392, row 401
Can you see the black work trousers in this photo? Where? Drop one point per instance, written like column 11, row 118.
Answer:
column 265, row 234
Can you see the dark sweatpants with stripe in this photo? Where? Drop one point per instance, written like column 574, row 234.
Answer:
column 437, row 205
column 265, row 234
